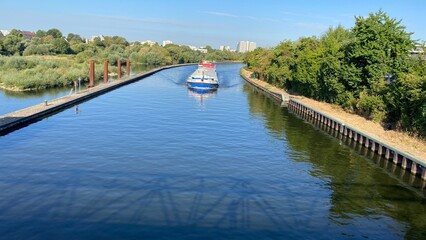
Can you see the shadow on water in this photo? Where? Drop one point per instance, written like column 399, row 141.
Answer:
column 154, row 201
column 362, row 183
column 90, row 183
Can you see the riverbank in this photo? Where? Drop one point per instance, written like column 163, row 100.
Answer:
column 400, row 140
column 15, row 120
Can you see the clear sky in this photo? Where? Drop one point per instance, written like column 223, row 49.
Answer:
column 199, row 23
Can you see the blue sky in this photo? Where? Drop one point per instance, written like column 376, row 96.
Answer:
column 199, row 23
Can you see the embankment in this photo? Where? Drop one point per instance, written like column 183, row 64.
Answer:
column 404, row 150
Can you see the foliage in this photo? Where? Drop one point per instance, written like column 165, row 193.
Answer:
column 55, row 33
column 13, row 44
column 305, row 67
column 367, row 70
column 331, row 84
column 38, row 72
column 61, row 60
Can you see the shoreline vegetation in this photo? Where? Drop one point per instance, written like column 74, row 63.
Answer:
column 369, row 70
column 403, row 140
column 366, row 70
column 52, row 60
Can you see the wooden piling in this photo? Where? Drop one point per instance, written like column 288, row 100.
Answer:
column 128, row 67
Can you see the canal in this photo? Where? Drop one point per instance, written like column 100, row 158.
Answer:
column 156, row 160
column 11, row 101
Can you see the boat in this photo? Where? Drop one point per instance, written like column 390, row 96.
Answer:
column 205, row 77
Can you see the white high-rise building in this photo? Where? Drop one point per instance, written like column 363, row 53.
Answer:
column 165, row 42
column 225, row 48
column 246, row 46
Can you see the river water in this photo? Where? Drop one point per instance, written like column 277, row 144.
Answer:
column 156, row 160
column 11, row 101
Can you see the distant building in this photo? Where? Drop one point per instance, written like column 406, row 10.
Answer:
column 418, row 52
column 246, row 46
column 149, row 42
column 192, row 47
column 202, row 50
column 225, row 48
column 101, row 37
column 167, row 42
column 5, row 32
column 418, row 48
column 27, row 34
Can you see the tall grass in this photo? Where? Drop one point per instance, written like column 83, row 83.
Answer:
column 36, row 72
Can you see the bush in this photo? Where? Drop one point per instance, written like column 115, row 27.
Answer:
column 41, row 49
column 371, row 106
column 20, row 63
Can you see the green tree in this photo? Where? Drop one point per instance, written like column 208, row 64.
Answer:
column 13, row 44
column 331, row 84
column 407, row 103
column 175, row 52
column 60, row 46
column 1, row 47
column 380, row 46
column 379, row 49
column 305, row 67
column 258, row 61
column 98, row 42
column 55, row 33
column 40, row 33
column 71, row 37
column 16, row 33
column 278, row 72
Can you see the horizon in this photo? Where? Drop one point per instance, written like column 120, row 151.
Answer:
column 203, row 23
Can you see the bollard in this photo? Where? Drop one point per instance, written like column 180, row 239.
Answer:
column 92, row 74
column 118, row 69
column 105, row 71
column 75, row 86
column 79, row 84
column 128, row 67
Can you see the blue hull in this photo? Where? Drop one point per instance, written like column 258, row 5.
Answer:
column 200, row 85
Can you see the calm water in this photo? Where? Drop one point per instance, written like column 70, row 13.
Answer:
column 155, row 160
column 11, row 101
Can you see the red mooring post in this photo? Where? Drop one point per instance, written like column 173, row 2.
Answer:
column 105, row 71
column 128, row 67
column 119, row 69
column 92, row 74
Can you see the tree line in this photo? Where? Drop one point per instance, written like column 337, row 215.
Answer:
column 52, row 42
column 367, row 69
column 51, row 59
